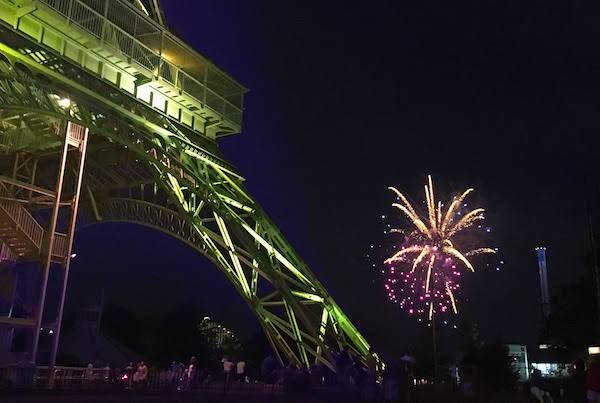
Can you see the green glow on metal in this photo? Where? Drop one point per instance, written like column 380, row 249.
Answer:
column 322, row 329
column 297, row 333
column 205, row 206
column 352, row 332
column 234, row 185
column 214, row 250
column 276, row 253
column 236, row 262
column 193, row 150
column 198, row 209
column 177, row 191
column 308, row 296
column 236, row 203
column 324, row 317
column 254, row 282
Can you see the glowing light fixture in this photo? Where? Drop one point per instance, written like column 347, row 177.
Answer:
column 64, row 102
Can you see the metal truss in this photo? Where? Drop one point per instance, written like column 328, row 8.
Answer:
column 180, row 184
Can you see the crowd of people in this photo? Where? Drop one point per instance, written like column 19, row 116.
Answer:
column 177, row 375
column 583, row 386
column 230, row 372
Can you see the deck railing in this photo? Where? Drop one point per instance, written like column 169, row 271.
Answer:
column 117, row 24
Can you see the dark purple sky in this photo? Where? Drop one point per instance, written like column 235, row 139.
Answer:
column 348, row 98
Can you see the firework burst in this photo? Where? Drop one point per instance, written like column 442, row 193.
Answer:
column 427, row 266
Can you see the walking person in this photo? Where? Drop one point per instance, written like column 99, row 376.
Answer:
column 191, row 374
column 227, row 369
column 173, row 378
column 240, row 369
column 140, row 377
column 128, row 376
column 143, row 374
column 89, row 375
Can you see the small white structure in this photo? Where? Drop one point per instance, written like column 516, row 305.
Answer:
column 518, row 354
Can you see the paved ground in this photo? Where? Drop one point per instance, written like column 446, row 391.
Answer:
column 136, row 398
column 211, row 397
column 169, row 398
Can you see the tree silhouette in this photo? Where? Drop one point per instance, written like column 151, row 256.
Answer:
column 572, row 322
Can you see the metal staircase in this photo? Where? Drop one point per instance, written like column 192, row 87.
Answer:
column 22, row 239
column 22, row 233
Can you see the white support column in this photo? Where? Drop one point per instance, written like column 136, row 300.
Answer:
column 75, row 140
column 77, row 136
column 47, row 250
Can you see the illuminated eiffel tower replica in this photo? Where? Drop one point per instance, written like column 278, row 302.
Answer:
column 103, row 110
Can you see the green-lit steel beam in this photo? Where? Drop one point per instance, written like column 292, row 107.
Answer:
column 197, row 196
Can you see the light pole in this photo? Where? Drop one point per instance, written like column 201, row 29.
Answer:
column 592, row 240
column 434, row 340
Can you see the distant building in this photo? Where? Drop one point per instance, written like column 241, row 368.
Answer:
column 553, row 361
column 216, row 336
column 520, row 360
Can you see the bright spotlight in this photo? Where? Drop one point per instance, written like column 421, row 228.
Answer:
column 64, row 102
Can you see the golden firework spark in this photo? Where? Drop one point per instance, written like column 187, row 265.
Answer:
column 435, row 233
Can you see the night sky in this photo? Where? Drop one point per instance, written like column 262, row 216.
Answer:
column 348, row 98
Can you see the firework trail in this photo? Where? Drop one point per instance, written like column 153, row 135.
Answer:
column 427, row 267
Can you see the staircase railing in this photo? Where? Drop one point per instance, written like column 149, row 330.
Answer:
column 59, row 248
column 22, row 218
column 28, row 225
column 6, row 255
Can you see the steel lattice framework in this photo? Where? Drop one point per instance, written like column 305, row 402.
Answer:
column 152, row 157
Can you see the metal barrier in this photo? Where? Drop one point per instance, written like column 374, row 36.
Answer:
column 72, row 378
column 105, row 379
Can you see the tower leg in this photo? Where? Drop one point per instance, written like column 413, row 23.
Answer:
column 67, row 259
column 75, row 136
column 47, row 251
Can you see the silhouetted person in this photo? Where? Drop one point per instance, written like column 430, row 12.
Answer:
column 403, row 381
column 191, row 374
column 240, row 368
column 140, row 377
column 89, row 374
column 227, row 369
column 129, row 371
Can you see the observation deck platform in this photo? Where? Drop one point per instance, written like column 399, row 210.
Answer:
column 117, row 42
